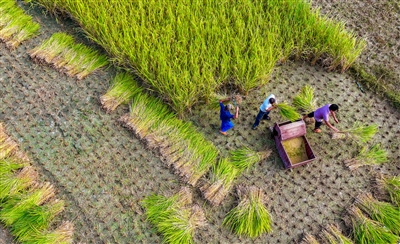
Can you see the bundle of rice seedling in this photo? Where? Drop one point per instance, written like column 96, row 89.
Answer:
column 288, row 112
column 383, row 212
column 305, row 99
column 36, row 219
column 223, row 175
column 366, row 230
column 391, row 184
column 243, row 158
column 368, row 156
column 123, row 88
column 309, row 239
column 12, row 183
column 236, row 99
column 335, row 236
column 62, row 235
column 173, row 218
column 250, row 217
column 362, row 132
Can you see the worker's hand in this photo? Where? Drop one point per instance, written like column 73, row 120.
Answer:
column 336, row 130
column 336, row 120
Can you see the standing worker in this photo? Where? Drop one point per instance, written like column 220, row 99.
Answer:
column 226, row 116
column 322, row 115
column 265, row 108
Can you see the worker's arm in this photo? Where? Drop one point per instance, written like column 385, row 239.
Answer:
column 331, row 126
column 272, row 107
column 236, row 113
column 334, row 117
column 224, row 100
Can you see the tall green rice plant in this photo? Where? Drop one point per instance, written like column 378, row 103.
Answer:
column 368, row 156
column 288, row 112
column 383, row 212
column 122, row 89
column 12, row 183
column 250, row 218
column 62, row 235
column 305, row 99
column 366, row 230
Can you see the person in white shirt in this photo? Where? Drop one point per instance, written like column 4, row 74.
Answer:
column 265, row 108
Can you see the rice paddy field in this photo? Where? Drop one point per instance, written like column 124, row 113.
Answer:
column 103, row 170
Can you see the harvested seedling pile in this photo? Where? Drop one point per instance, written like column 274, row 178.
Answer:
column 305, row 99
column 288, row 112
column 173, row 216
column 250, row 218
column 368, row 156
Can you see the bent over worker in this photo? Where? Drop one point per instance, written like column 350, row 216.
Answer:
column 322, row 115
column 226, row 116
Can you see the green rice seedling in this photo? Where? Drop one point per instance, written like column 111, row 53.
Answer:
column 36, row 219
column 62, row 235
column 52, row 47
column 309, row 239
column 222, row 177
column 288, row 112
column 368, row 156
column 391, row 184
column 383, row 212
column 362, row 132
column 15, row 25
column 12, row 183
column 334, row 235
column 305, row 99
column 366, row 230
column 250, row 218
column 16, row 206
column 122, row 89
column 172, row 217
column 243, row 158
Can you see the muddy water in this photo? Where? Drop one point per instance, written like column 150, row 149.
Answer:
column 102, row 171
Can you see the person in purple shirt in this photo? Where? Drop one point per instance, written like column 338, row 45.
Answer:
column 226, row 116
column 322, row 115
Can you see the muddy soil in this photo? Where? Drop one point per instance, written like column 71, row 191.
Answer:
column 102, row 171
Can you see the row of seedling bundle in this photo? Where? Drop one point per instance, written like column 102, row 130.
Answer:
column 187, row 50
column 74, row 59
column 15, row 25
column 28, row 207
column 180, row 145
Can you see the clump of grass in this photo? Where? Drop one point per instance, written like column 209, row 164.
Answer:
column 305, row 99
column 288, row 112
column 368, row 156
column 383, row 212
column 122, row 89
column 15, row 25
column 243, row 158
column 250, row 217
column 11, row 182
column 62, row 235
column 362, row 132
column 173, row 218
column 334, row 235
column 75, row 59
column 366, row 230
column 222, row 177
column 391, row 185
column 309, row 239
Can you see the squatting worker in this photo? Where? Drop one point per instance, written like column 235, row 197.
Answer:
column 226, row 116
column 322, row 115
column 265, row 108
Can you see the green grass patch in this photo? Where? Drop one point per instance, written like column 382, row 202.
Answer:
column 305, row 99
column 288, row 112
column 374, row 155
column 391, row 184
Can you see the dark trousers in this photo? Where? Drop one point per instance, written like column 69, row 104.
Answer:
column 317, row 123
column 261, row 115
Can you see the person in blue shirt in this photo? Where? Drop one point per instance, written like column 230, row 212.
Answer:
column 226, row 116
column 265, row 108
